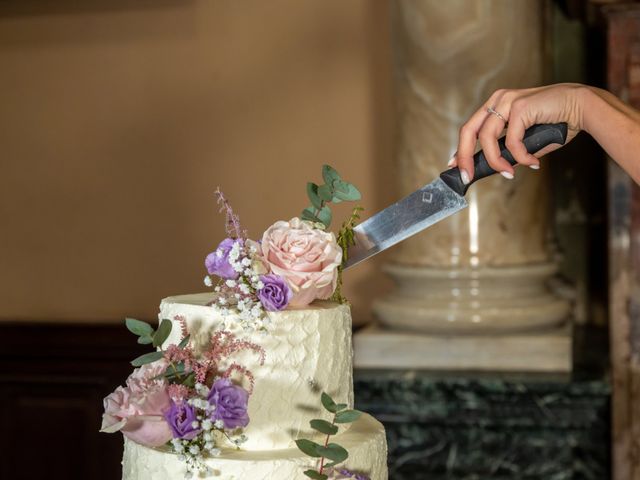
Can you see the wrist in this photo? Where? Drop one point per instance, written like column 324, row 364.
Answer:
column 588, row 100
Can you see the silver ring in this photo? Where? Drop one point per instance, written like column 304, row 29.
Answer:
column 497, row 114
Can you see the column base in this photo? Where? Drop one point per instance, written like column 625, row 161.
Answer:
column 547, row 351
column 488, row 300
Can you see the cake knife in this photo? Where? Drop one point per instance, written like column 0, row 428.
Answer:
column 438, row 200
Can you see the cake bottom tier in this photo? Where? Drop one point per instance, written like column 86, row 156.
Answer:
column 364, row 440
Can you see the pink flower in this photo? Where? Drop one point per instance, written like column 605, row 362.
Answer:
column 307, row 258
column 137, row 409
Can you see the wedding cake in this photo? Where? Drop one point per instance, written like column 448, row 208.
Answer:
column 254, row 380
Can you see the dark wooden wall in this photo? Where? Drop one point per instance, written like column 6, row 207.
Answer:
column 52, row 382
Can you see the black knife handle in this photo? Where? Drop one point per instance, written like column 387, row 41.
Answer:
column 535, row 139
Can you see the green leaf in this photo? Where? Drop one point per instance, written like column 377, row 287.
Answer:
column 341, row 406
column 184, row 342
column 163, row 332
column 328, row 403
column 345, row 191
column 312, row 193
column 145, row 339
column 329, row 174
column 138, row 327
column 347, row 416
column 309, row 448
column 325, row 216
column 190, row 380
column 146, row 358
column 309, row 215
column 323, row 426
column 333, row 452
column 325, row 192
column 315, row 475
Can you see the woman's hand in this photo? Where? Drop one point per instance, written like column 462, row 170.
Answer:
column 521, row 109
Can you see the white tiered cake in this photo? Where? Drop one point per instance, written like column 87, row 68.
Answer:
column 308, row 350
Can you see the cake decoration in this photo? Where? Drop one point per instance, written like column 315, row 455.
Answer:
column 329, row 454
column 294, row 263
column 192, row 400
column 185, row 400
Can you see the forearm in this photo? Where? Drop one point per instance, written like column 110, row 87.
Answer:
column 615, row 126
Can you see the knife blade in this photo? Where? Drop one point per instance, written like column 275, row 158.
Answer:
column 437, row 200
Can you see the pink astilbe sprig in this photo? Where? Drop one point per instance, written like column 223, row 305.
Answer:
column 233, row 228
column 223, row 344
column 235, row 367
column 174, row 354
column 179, row 393
column 183, row 326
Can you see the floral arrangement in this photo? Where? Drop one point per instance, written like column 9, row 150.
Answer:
column 330, row 454
column 186, row 401
column 294, row 263
column 191, row 402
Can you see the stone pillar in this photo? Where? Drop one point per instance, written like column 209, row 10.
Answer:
column 486, row 268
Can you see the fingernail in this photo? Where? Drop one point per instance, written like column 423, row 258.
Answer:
column 452, row 160
column 465, row 177
column 507, row 175
column 535, row 166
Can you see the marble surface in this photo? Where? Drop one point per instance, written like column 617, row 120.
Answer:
column 545, row 351
column 481, row 427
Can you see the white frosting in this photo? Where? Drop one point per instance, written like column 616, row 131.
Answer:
column 307, row 351
column 364, row 440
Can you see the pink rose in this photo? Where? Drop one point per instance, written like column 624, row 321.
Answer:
column 307, row 258
column 137, row 409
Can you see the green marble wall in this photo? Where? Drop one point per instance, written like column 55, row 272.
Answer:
column 489, row 428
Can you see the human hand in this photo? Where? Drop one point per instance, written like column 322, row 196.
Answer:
column 521, row 109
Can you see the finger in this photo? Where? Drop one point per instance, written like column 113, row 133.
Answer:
column 469, row 136
column 518, row 123
column 488, row 135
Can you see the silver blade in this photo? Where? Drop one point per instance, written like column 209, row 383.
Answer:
column 411, row 215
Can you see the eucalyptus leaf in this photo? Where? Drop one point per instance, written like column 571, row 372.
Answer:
column 330, row 174
column 341, row 406
column 323, row 426
column 138, row 327
column 309, row 215
column 145, row 339
column 333, row 452
column 328, row 403
column 312, row 193
column 345, row 191
column 315, row 475
column 146, row 358
column 184, row 342
column 324, row 215
column 347, row 416
column 325, row 192
column 309, row 448
column 190, row 380
column 162, row 333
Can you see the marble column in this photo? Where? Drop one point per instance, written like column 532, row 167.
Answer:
column 486, row 268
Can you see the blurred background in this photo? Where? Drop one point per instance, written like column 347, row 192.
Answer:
column 119, row 118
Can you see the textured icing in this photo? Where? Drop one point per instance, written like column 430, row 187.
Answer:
column 307, row 351
column 364, row 440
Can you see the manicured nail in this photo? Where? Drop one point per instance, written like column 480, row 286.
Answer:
column 535, row 166
column 507, row 175
column 465, row 177
column 452, row 160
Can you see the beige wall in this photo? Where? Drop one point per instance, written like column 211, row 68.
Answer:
column 119, row 118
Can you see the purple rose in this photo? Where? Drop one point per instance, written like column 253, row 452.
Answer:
column 180, row 418
column 275, row 294
column 231, row 403
column 217, row 262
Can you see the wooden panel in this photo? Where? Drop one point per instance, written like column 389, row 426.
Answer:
column 52, row 383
